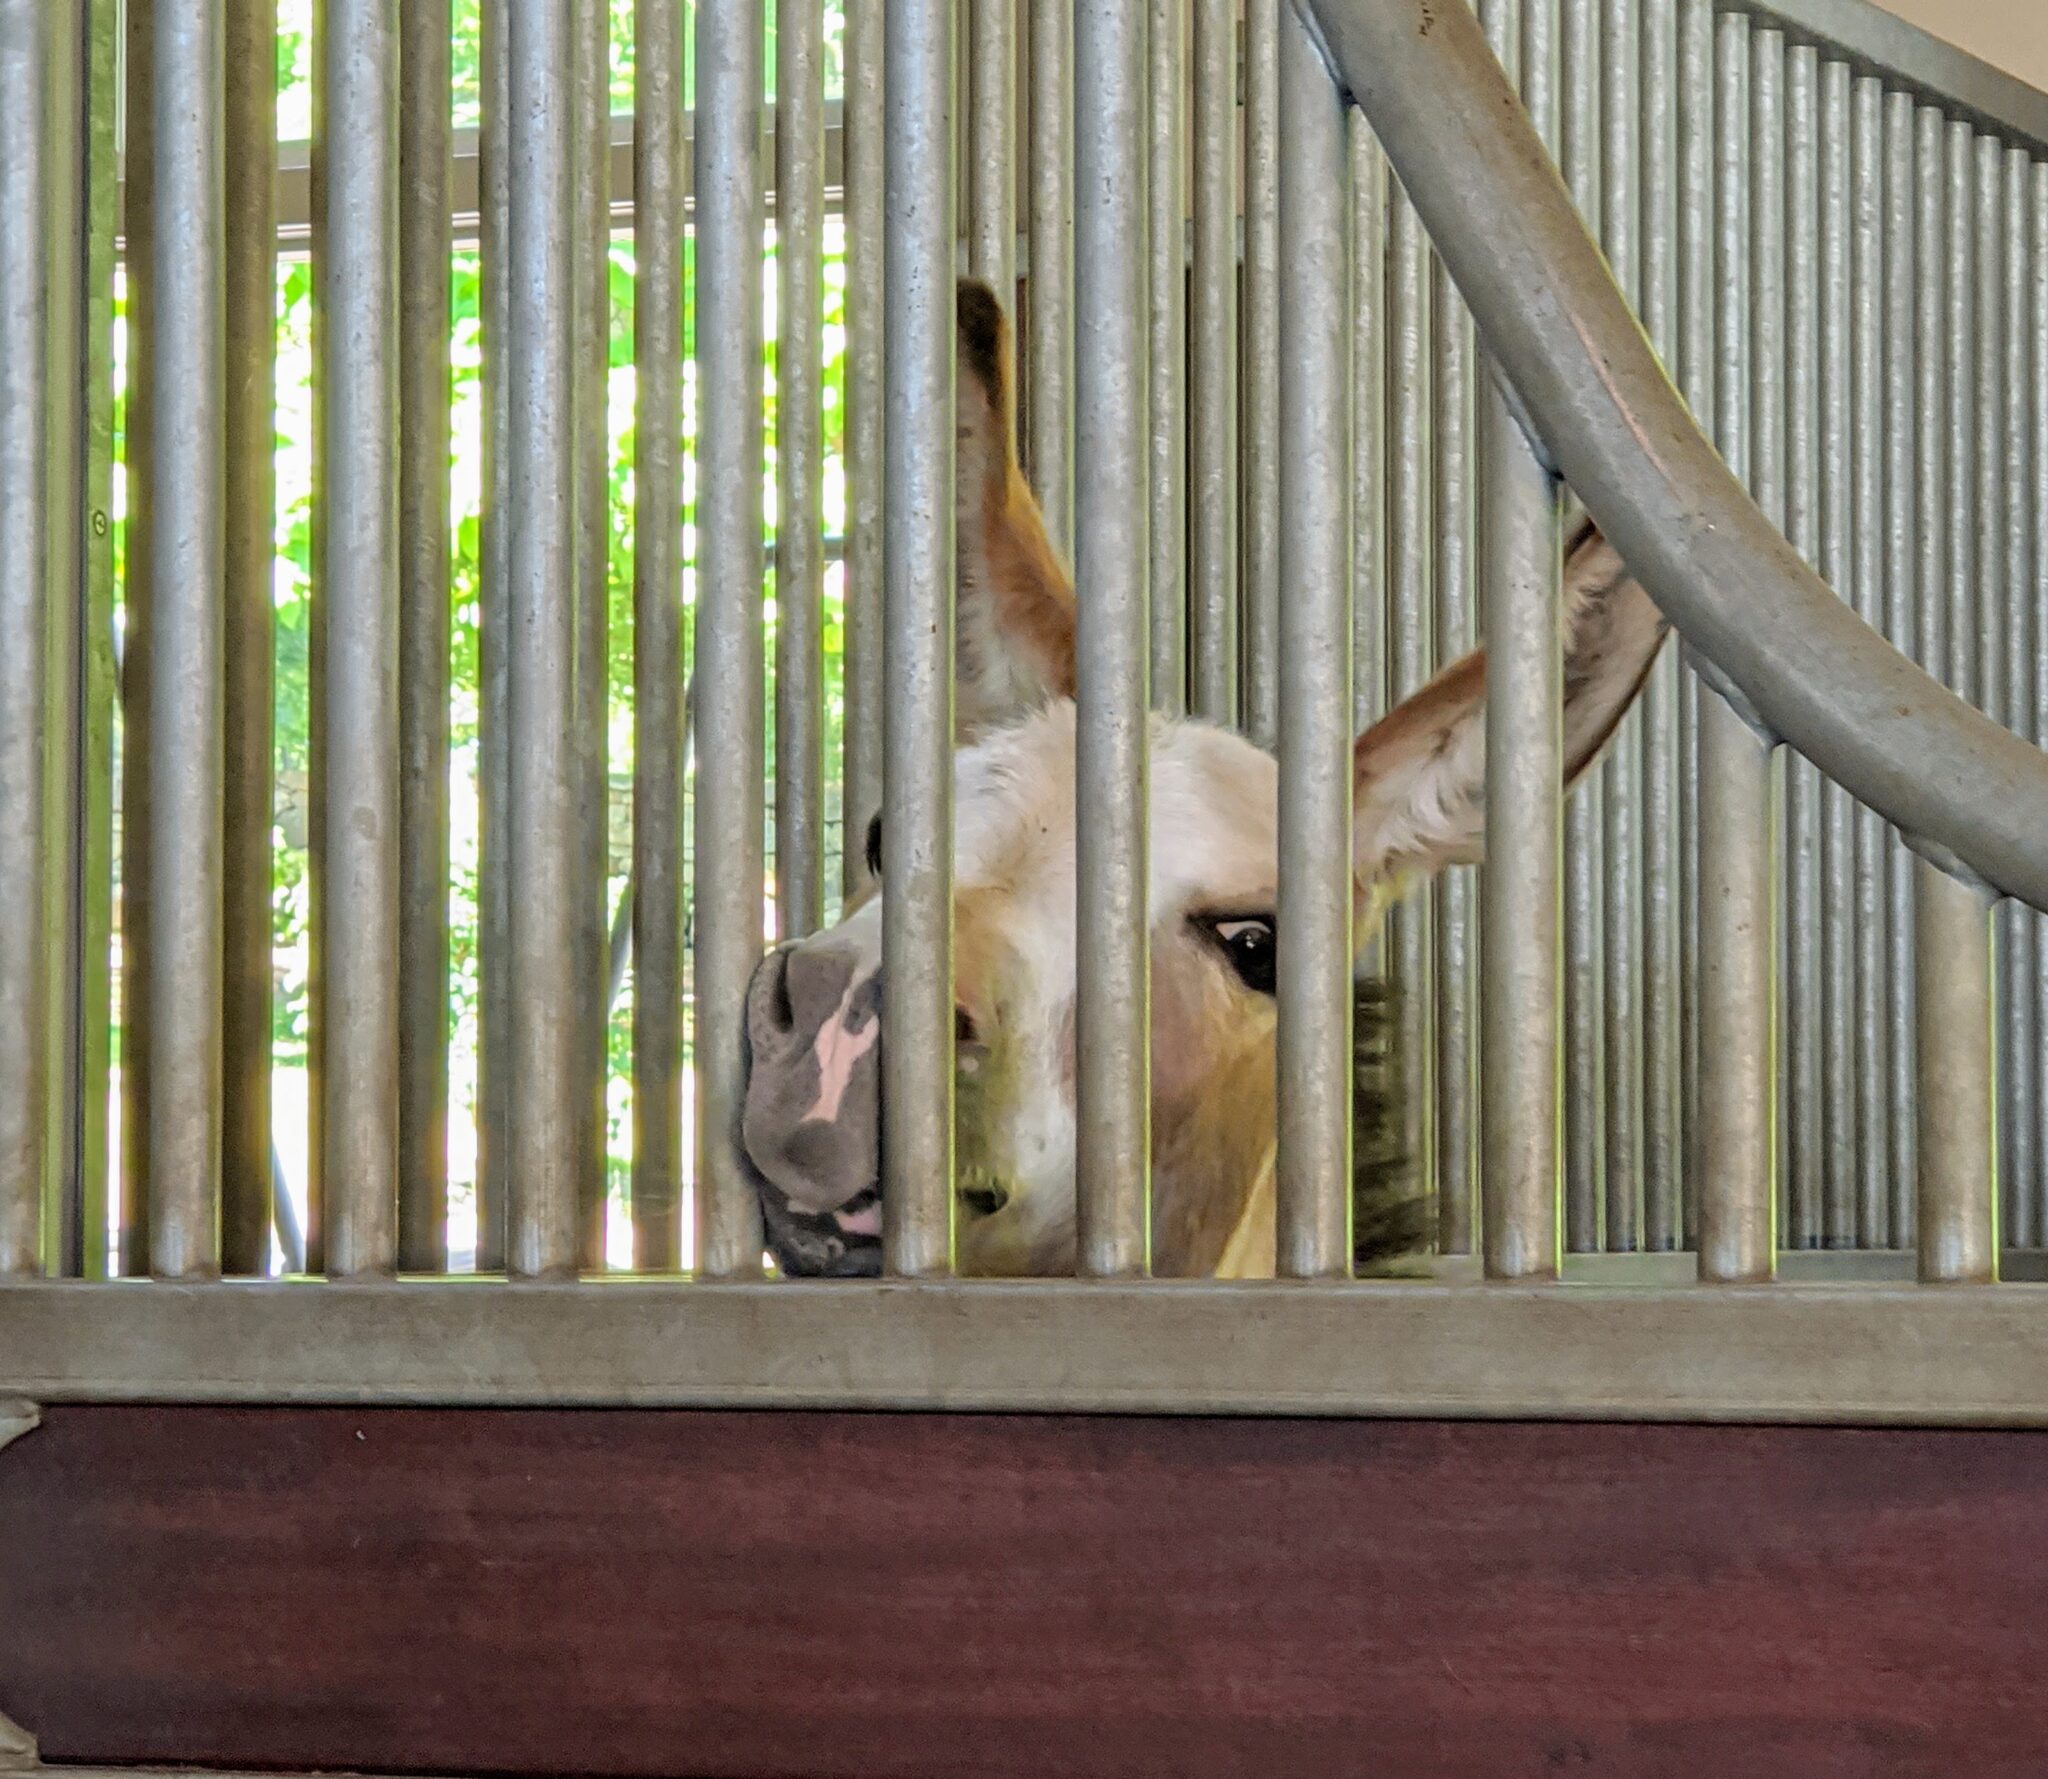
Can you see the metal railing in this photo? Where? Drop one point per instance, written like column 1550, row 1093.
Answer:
column 1249, row 370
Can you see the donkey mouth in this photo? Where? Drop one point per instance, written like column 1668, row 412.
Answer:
column 841, row 1244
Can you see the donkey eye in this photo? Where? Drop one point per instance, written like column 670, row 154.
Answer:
column 875, row 847
column 1248, row 943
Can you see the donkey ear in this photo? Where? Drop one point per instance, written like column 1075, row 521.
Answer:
column 1419, row 773
column 1015, row 616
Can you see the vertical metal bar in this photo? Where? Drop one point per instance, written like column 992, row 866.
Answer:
column 1050, row 359
column 1166, row 370
column 1620, row 774
column 1735, row 1154
column 992, row 127
column 1663, row 1001
column 358, row 611
column 27, row 992
column 731, row 695
column 1411, row 578
column 659, row 214
column 1799, row 938
column 1111, row 555
column 187, row 544
column 2036, row 408
column 495, row 848
column 1959, row 444
column 1315, row 912
column 1368, row 516
column 860, row 793
column 425, row 123
column 917, row 835
column 2020, row 1036
column 544, row 1108
column 590, row 78
column 1261, row 430
column 138, row 638
column 1212, row 361
column 1695, row 370
column 247, row 814
column 1872, row 908
column 1958, row 1105
column 1831, row 807
column 799, row 447
column 1585, row 971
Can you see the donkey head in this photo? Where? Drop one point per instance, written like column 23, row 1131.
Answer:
column 812, row 1115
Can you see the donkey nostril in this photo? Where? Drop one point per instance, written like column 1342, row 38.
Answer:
column 965, row 1031
column 984, row 1198
column 785, row 1014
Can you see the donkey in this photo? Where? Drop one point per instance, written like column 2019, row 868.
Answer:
column 812, row 1112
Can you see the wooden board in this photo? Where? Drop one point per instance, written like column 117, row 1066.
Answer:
column 840, row 1596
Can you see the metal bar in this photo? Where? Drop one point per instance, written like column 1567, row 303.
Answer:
column 544, row 1112
column 1901, row 446
column 2020, row 1034
column 27, row 992
column 1315, row 910
column 727, row 857
column 1868, row 446
column 1519, row 567
column 917, row 728
column 861, row 759
column 357, row 589
column 1620, row 773
column 1369, row 417
column 1259, row 438
column 1695, row 368
column 1167, row 353
column 590, row 278
column 1663, row 814
column 1409, row 943
column 1831, row 810
column 186, row 541
column 1050, row 323
column 1799, row 935
column 799, row 454
column 2036, row 407
column 425, row 107
column 1212, row 360
column 1958, row 1108
column 495, row 841
column 1112, row 793
column 992, row 126
column 1578, row 156
column 658, row 1166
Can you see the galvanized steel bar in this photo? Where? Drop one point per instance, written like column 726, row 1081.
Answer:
column 425, row 126
column 1212, row 369
column 248, row 811
column 917, row 833
column 860, row 792
column 357, row 609
column 1259, row 437
column 1813, row 670
column 495, row 847
column 186, row 540
column 1901, row 608
column 1050, row 323
column 731, row 694
column 27, row 990
column 1958, row 1221
column 1411, row 561
column 2037, row 410
column 660, row 209
column 992, row 136
column 544, row 1109
column 1368, row 515
column 1799, row 943
column 1871, row 924
column 1663, row 815
column 1112, row 1091
column 1313, row 1189
column 1620, row 772
column 1167, row 353
column 799, row 457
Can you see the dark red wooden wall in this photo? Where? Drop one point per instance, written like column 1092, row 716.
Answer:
column 812, row 1596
